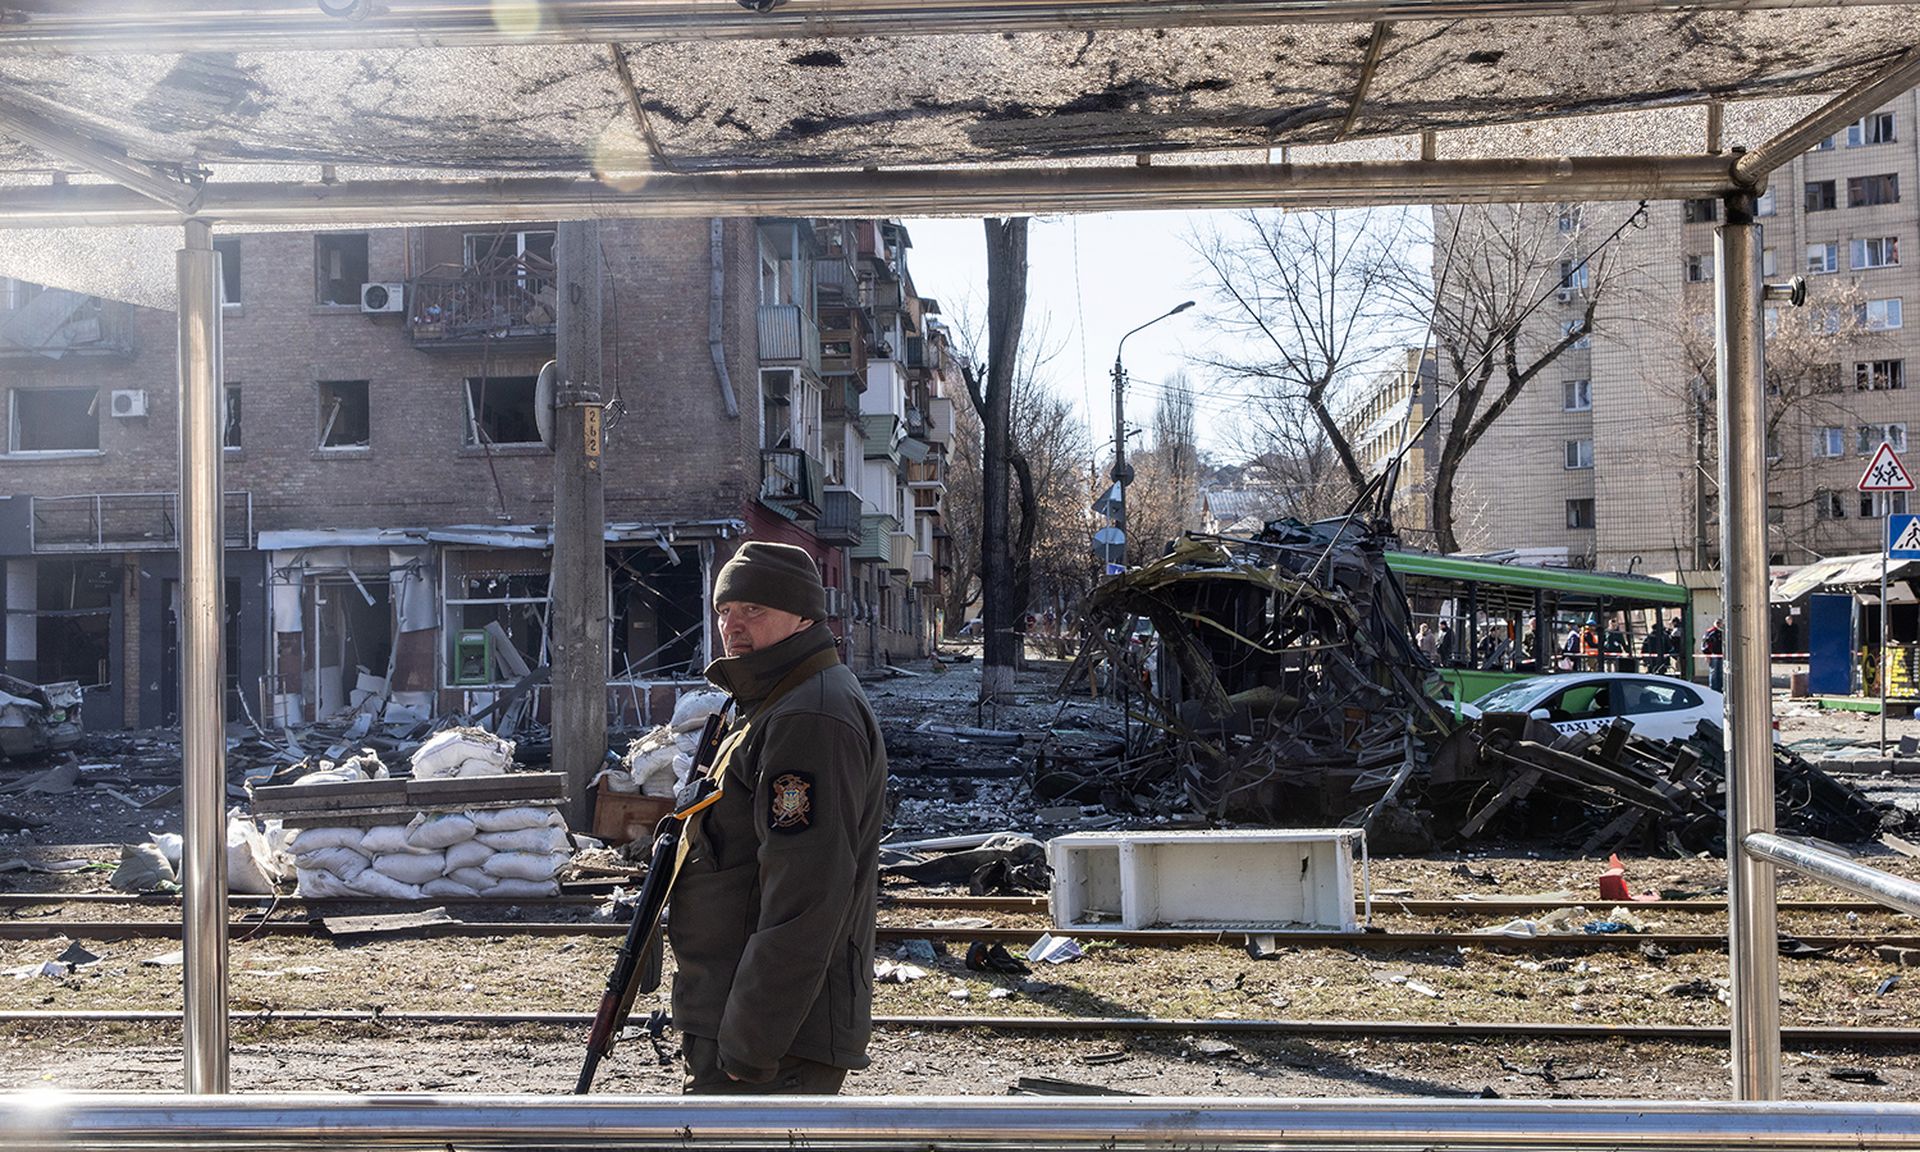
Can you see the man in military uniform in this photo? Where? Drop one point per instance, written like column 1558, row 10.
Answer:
column 772, row 916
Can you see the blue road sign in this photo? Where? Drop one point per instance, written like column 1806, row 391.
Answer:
column 1903, row 536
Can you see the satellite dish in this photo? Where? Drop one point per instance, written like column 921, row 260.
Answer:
column 543, row 401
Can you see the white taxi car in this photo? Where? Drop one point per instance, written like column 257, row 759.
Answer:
column 1660, row 707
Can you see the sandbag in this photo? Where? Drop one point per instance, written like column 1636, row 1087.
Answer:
column 374, row 882
column 462, row 752
column 549, row 839
column 309, row 839
column 387, row 839
column 525, row 888
column 143, row 868
column 171, row 844
column 442, row 887
column 514, row 819
column 437, row 832
column 342, row 862
column 690, row 712
column 525, row 865
column 467, row 854
column 251, row 867
column 474, row 878
column 412, row 868
column 318, row 882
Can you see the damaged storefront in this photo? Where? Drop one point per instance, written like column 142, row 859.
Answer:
column 405, row 625
column 92, row 598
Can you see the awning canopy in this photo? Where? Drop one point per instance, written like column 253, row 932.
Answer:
column 1846, row 573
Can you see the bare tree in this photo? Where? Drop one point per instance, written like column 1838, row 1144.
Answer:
column 1317, row 294
column 1164, row 499
column 1811, row 387
column 992, row 394
column 963, row 510
column 1495, row 264
column 1052, row 467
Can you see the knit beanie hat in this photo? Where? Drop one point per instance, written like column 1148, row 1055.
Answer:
column 777, row 575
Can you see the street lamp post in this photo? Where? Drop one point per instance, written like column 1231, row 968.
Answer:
column 1122, row 474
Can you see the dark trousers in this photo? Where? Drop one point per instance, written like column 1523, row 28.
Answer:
column 796, row 1077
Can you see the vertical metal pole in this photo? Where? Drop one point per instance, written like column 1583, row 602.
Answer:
column 1120, row 449
column 1752, row 948
column 1886, row 543
column 579, row 580
column 203, row 688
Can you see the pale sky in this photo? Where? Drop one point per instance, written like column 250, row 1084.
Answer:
column 1091, row 278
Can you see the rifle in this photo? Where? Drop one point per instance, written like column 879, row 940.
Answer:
column 637, row 969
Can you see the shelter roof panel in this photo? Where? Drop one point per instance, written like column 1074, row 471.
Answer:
column 963, row 98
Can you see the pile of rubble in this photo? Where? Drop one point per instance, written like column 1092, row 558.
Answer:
column 1287, row 690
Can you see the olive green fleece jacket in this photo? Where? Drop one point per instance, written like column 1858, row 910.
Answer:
column 772, row 915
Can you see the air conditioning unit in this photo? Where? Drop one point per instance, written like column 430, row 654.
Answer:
column 1567, row 294
column 382, row 298
column 128, row 403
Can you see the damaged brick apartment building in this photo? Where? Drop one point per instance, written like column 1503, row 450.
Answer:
column 388, row 490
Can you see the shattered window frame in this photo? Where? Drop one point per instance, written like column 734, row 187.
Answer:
column 230, row 416
column 485, row 396
column 26, row 396
column 330, row 415
column 327, row 280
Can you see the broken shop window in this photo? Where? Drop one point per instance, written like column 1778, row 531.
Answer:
column 54, row 420
column 496, row 614
column 500, row 410
column 170, row 652
column 339, row 267
column 659, row 617
column 58, row 619
column 345, row 414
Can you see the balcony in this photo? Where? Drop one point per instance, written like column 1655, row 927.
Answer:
column 842, row 400
column 923, row 568
column 839, row 521
column 791, row 482
column 900, row 552
column 789, row 335
column 835, row 279
column 940, row 421
column 875, row 545
column 884, row 433
column 514, row 312
column 127, row 522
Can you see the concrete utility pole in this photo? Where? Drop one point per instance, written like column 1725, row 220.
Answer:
column 578, row 620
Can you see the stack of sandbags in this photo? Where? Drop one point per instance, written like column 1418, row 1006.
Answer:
column 258, row 862
column 486, row 852
column 659, row 762
column 458, row 752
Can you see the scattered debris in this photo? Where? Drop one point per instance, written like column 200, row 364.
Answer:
column 1856, row 1075
column 360, row 927
column 1050, row 1086
column 889, row 972
column 984, row 957
column 36, row 719
column 1051, row 949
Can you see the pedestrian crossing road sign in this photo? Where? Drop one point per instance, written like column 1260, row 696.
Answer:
column 1903, row 536
column 1885, row 473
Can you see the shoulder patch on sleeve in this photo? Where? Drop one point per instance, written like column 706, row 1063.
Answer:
column 790, row 802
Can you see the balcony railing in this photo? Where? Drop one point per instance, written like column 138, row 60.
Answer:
column 900, row 552
column 127, row 521
column 788, row 336
column 875, row 540
column 839, row 521
column 922, row 568
column 835, row 278
column 463, row 311
column 842, row 401
column 791, row 479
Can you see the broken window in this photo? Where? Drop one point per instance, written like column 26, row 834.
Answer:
column 525, row 254
column 500, row 410
column 229, row 250
column 230, row 419
column 496, row 616
column 659, row 612
column 72, row 616
column 340, row 267
column 345, row 417
column 54, row 420
column 14, row 294
column 1865, row 191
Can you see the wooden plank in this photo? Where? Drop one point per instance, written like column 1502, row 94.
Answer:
column 277, row 798
column 513, row 786
column 1517, row 788
column 355, row 927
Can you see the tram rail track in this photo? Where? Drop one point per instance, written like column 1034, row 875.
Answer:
column 1696, row 941
column 1792, row 1035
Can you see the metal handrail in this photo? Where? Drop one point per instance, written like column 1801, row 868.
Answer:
column 1831, row 868
column 263, row 1122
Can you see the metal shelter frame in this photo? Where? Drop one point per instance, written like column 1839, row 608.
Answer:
column 142, row 194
